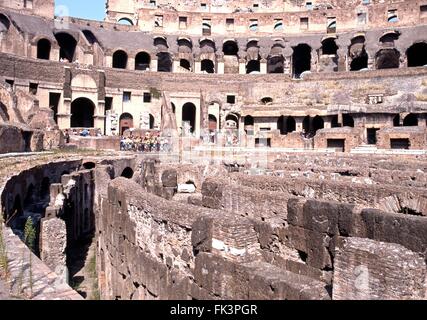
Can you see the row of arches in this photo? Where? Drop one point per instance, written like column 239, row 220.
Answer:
column 387, row 57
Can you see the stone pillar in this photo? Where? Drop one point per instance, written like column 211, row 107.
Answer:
column 197, row 66
column 342, row 60
column 64, row 114
column 176, row 65
column 242, row 66
column 131, row 64
column 221, row 67
column 299, row 122
column 53, row 242
column 154, row 64
column 314, row 60
column 263, row 66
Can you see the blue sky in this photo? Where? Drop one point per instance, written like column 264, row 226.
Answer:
column 87, row 9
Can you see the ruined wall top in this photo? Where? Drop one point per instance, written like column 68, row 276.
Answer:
column 45, row 8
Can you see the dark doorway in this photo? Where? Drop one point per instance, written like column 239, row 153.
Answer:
column 67, row 45
column 207, row 66
column 189, row 115
column 301, row 60
column 286, row 125
column 329, row 47
column 120, row 59
column 43, row 49
column 337, row 144
column 142, row 61
column 27, row 139
column 396, row 121
column 387, row 59
column 126, row 122
column 347, row 120
column 82, row 112
column 127, row 173
column 164, row 62
column 411, row 120
column 54, row 99
column 372, row 135
column 183, row 63
column 417, row 55
column 151, row 122
column 253, row 66
column 400, row 144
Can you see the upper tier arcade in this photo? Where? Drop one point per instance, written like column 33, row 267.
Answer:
column 256, row 17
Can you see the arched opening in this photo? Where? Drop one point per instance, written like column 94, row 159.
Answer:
column 267, row 100
column 411, row 120
column 387, row 59
column 396, row 121
column 357, row 54
column 151, row 122
column 213, row 123
column 230, row 48
column 173, row 107
column 4, row 23
column 67, row 45
column 232, row 121
column 89, row 165
column 184, row 63
column 43, row 49
column 312, row 125
column 142, row 61
column 207, row 66
column 286, row 125
column 347, row 120
column 301, row 60
column 417, row 55
column 189, row 117
column 329, row 47
column 127, row 173
column 276, row 64
column 82, row 112
column 388, row 39
column 318, row 123
column 249, row 125
column 90, row 37
column 4, row 115
column 126, row 122
column 125, row 21
column 231, row 58
column 253, row 66
column 120, row 59
column 164, row 62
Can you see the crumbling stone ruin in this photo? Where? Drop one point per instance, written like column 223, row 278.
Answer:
column 297, row 159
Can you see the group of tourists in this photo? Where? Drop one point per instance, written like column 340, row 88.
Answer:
column 148, row 143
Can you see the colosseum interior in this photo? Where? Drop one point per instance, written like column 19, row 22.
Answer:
column 214, row 150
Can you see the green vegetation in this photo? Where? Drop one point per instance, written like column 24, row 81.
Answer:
column 3, row 252
column 91, row 270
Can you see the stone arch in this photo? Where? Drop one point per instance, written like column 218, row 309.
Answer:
column 207, row 49
column 142, row 61
column 417, row 55
column 411, row 120
column 301, row 60
column 120, row 59
column 126, row 122
column 189, row 116
column 275, row 60
column 84, row 80
column 4, row 23
column 231, row 57
column 125, row 21
column 127, row 173
column 358, row 57
column 329, row 46
column 67, row 44
column 90, row 37
column 387, row 59
column 388, row 39
column 213, row 123
column 82, row 113
column 4, row 115
column 286, row 124
column 232, row 121
column 249, row 122
column 43, row 49
column 207, row 66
